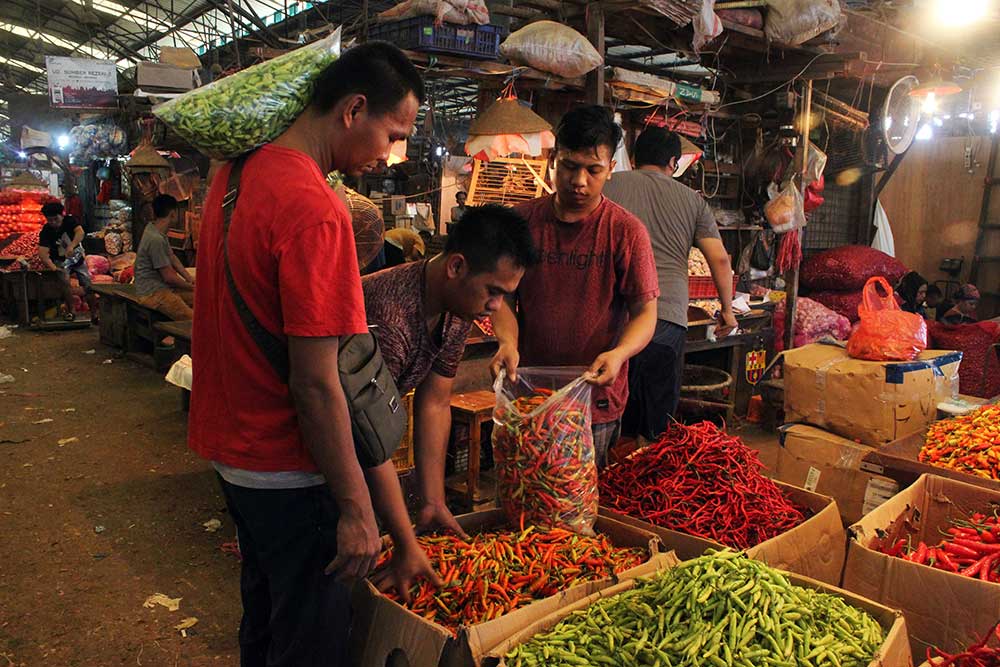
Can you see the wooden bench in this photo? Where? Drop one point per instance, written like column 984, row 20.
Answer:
column 127, row 324
column 26, row 295
column 180, row 332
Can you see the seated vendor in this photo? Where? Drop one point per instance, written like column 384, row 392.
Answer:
column 912, row 289
column 60, row 248
column 161, row 281
column 966, row 304
column 421, row 313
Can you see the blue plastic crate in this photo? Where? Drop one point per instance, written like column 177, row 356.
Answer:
column 420, row 34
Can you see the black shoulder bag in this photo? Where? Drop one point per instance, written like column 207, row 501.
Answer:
column 378, row 420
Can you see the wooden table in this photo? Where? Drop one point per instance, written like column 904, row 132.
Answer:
column 474, row 409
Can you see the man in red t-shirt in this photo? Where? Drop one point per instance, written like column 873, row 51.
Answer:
column 591, row 301
column 283, row 451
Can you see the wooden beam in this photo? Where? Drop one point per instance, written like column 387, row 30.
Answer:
column 551, row 5
column 792, row 275
column 595, row 33
column 489, row 70
column 517, row 12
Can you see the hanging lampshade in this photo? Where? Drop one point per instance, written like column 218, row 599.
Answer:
column 508, row 127
column 937, row 87
column 689, row 155
column 145, row 158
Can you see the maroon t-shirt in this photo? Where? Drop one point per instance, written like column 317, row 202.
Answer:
column 573, row 305
column 394, row 301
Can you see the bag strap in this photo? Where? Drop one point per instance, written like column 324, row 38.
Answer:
column 274, row 349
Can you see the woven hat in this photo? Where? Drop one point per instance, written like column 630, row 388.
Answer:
column 508, row 116
column 145, row 158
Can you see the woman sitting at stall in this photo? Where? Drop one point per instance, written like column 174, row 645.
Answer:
column 912, row 289
column 966, row 304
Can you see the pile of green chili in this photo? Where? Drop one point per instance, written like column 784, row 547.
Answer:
column 720, row 610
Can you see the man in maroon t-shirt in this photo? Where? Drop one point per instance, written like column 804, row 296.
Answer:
column 421, row 314
column 591, row 301
column 282, row 445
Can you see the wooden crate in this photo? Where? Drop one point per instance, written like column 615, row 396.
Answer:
column 403, row 458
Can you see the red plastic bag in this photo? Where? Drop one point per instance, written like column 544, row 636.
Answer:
column 886, row 332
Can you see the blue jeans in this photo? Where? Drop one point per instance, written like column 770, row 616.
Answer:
column 293, row 614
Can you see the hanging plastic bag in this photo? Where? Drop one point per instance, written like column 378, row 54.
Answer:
column 245, row 110
column 785, row 212
column 813, row 199
column 543, row 447
column 793, row 22
column 886, row 332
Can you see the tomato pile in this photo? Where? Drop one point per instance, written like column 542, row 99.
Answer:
column 22, row 211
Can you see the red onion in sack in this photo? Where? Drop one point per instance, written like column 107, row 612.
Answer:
column 849, row 268
column 979, row 372
column 812, row 321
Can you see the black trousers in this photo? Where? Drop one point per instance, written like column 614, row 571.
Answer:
column 654, row 382
column 293, row 614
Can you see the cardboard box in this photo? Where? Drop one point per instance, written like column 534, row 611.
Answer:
column 819, row 461
column 941, row 608
column 872, row 402
column 815, row 548
column 385, row 627
column 899, row 460
column 894, row 652
column 163, row 77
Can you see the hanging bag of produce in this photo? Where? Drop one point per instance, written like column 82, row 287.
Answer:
column 543, row 447
column 248, row 109
column 785, row 212
column 886, row 332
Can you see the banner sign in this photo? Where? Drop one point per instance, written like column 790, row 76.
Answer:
column 82, row 83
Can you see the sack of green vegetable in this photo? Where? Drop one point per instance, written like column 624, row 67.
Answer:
column 236, row 114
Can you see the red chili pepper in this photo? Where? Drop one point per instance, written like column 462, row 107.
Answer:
column 977, row 655
column 699, row 480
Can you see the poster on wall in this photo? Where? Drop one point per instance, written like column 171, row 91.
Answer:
column 82, row 83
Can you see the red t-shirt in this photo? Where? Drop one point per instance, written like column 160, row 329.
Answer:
column 291, row 251
column 574, row 304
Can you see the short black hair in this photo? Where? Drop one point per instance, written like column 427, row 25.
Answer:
column 52, row 209
column 377, row 70
column 461, row 193
column 656, row 146
column 586, row 128
column 486, row 233
column 163, row 205
column 934, row 290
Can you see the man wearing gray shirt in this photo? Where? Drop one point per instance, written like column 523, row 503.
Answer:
column 677, row 218
column 161, row 281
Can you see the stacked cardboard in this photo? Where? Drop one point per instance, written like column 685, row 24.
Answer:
column 871, row 402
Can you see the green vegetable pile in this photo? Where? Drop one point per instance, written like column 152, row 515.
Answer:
column 720, row 610
column 236, row 114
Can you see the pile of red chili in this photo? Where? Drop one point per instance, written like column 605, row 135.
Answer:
column 977, row 655
column 699, row 480
column 971, row 549
column 545, row 465
column 968, row 443
column 492, row 574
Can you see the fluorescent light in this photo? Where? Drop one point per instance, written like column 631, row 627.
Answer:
column 22, row 154
column 62, row 141
column 925, row 132
column 938, row 122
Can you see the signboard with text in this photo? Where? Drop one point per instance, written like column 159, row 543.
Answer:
column 82, row 83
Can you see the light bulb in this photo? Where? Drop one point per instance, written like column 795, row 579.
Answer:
column 930, row 103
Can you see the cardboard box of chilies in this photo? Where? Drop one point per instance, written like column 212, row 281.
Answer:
column 894, row 652
column 942, row 609
column 815, row 548
column 386, row 628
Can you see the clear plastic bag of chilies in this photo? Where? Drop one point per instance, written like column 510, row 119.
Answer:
column 248, row 109
column 543, row 447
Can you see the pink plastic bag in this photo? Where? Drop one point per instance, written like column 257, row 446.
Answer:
column 886, row 332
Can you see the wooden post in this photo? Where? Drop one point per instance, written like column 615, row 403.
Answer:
column 792, row 275
column 595, row 33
